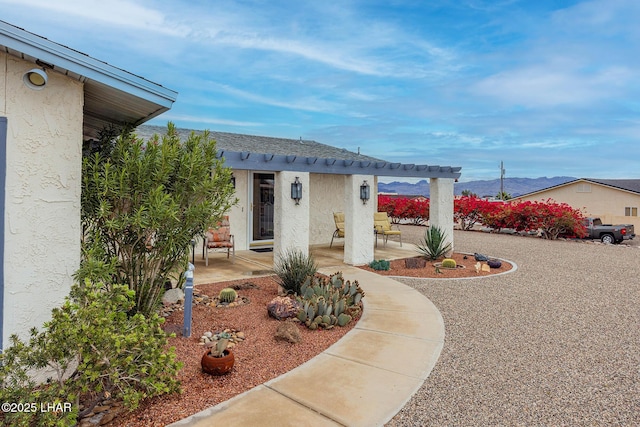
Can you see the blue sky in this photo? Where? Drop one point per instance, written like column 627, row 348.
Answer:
column 548, row 87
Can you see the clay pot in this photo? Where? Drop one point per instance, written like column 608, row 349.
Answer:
column 217, row 365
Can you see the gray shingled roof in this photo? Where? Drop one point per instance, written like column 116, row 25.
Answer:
column 264, row 144
column 632, row 185
column 251, row 152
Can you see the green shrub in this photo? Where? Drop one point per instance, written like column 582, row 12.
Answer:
column 293, row 267
column 433, row 245
column 143, row 202
column 93, row 348
column 380, row 264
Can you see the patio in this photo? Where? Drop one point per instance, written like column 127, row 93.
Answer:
column 252, row 264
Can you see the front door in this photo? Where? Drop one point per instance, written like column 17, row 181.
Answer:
column 262, row 195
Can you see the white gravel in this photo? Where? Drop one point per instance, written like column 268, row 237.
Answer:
column 555, row 343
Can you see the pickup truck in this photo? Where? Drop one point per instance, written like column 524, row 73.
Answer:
column 608, row 233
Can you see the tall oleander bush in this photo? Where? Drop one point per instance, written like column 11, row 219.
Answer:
column 143, row 202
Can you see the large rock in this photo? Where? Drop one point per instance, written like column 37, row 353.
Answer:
column 173, row 296
column 283, row 307
column 288, row 331
column 415, row 263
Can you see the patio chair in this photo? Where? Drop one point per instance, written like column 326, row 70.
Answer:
column 338, row 218
column 219, row 237
column 382, row 227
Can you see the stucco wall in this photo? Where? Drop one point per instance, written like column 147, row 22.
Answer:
column 291, row 220
column 326, row 195
column 358, row 224
column 600, row 201
column 42, row 202
column 238, row 215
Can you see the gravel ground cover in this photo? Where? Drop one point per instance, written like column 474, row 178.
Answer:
column 557, row 342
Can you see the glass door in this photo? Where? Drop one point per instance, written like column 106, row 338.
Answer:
column 262, row 210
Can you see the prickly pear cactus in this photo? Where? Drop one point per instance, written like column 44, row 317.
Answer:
column 328, row 302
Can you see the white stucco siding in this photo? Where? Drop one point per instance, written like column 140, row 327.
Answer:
column 42, row 201
column 291, row 220
column 358, row 226
column 239, row 213
column 326, row 196
column 441, row 206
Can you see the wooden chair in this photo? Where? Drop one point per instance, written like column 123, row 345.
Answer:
column 382, row 227
column 219, row 237
column 338, row 218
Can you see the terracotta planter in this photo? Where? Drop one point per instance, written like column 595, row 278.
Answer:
column 217, row 365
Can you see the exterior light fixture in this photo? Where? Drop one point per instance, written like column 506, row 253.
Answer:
column 296, row 190
column 35, row 79
column 233, row 181
column 365, row 192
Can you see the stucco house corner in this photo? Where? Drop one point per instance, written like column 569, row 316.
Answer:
column 52, row 99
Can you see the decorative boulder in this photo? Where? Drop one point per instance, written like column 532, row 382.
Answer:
column 288, row 331
column 283, row 307
column 415, row 263
column 494, row 263
column 173, row 296
column 480, row 257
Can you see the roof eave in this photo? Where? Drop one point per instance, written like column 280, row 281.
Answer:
column 271, row 162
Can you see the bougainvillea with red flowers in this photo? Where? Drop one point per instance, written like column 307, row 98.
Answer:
column 549, row 218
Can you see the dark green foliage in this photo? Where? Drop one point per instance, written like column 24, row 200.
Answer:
column 380, row 264
column 143, row 202
column 90, row 347
column 293, row 267
column 433, row 245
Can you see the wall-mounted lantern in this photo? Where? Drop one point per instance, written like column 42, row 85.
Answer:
column 233, row 181
column 296, row 190
column 365, row 192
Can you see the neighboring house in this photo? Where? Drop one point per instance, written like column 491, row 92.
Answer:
column 266, row 216
column 615, row 201
column 52, row 98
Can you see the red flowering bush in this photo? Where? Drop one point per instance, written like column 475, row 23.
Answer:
column 548, row 217
column 403, row 208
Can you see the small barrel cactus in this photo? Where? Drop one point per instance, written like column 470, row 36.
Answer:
column 449, row 263
column 227, row 295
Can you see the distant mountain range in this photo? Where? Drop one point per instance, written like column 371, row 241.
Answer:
column 513, row 186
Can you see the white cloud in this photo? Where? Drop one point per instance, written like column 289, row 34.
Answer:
column 119, row 13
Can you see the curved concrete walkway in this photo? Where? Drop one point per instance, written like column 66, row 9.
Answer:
column 362, row 380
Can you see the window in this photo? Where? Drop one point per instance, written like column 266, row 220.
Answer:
column 584, row 188
column 629, row 211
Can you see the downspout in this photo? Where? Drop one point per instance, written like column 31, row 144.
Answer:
column 3, row 173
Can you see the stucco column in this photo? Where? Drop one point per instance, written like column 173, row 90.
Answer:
column 291, row 221
column 358, row 221
column 441, row 205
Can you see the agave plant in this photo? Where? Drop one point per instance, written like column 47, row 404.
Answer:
column 292, row 268
column 434, row 244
